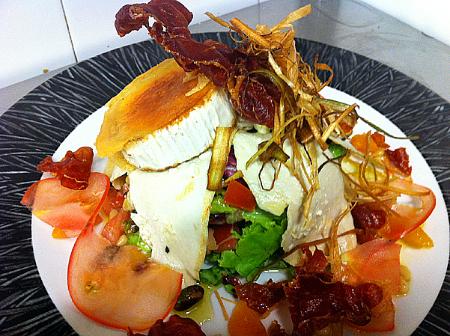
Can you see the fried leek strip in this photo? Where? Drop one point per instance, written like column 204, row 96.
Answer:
column 220, row 150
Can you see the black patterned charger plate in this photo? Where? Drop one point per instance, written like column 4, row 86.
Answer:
column 36, row 125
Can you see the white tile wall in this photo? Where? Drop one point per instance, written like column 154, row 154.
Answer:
column 49, row 34
column 92, row 26
column 33, row 38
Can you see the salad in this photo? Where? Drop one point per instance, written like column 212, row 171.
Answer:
column 225, row 163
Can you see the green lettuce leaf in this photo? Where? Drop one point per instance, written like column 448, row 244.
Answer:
column 218, row 206
column 257, row 243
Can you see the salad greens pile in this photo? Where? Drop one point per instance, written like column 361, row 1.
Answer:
column 258, row 247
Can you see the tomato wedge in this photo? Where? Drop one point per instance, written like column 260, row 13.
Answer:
column 64, row 208
column 114, row 201
column 407, row 218
column 376, row 261
column 245, row 321
column 239, row 196
column 115, row 226
column 118, row 286
column 223, row 237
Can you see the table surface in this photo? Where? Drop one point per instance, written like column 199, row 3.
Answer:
column 347, row 24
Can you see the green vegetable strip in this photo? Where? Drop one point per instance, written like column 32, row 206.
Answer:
column 379, row 129
column 336, row 150
column 134, row 238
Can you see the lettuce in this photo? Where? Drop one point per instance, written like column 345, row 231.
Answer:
column 257, row 243
column 218, row 206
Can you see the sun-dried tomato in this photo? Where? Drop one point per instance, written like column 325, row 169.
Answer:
column 400, row 159
column 369, row 219
column 315, row 302
column 255, row 103
column 313, row 262
column 380, row 140
column 73, row 170
column 259, row 297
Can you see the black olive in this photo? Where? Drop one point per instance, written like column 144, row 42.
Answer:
column 189, row 296
column 134, row 228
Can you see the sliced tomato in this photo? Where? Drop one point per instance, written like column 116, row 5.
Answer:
column 118, row 286
column 115, row 227
column 239, row 196
column 406, row 217
column 245, row 321
column 377, row 261
column 114, row 201
column 223, row 237
column 64, row 208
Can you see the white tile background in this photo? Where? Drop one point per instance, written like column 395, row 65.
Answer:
column 33, row 38
column 44, row 35
column 40, row 36
column 92, row 26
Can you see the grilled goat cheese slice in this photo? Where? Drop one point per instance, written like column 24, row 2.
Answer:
column 172, row 212
column 183, row 139
column 286, row 189
column 156, row 123
column 328, row 202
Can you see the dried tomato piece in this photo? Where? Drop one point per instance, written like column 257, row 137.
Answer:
column 314, row 263
column 314, row 303
column 380, row 140
column 369, row 219
column 255, row 103
column 176, row 326
column 73, row 170
column 400, row 159
column 259, row 297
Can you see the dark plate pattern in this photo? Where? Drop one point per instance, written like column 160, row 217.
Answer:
column 39, row 122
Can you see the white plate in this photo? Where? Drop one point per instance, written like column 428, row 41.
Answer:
column 427, row 266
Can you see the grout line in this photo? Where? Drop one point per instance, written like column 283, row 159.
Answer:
column 68, row 30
